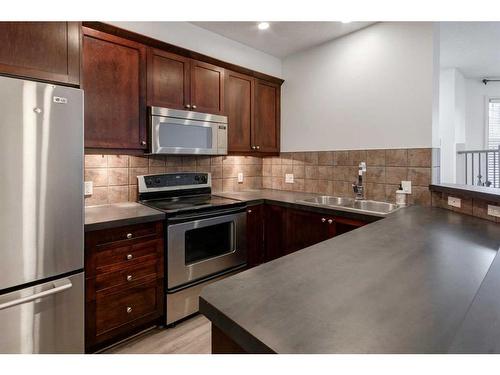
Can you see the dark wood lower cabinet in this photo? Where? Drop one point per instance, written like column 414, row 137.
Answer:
column 287, row 230
column 255, row 235
column 223, row 344
column 274, row 232
column 344, row 225
column 305, row 228
column 123, row 282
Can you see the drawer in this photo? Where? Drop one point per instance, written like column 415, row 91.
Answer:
column 120, row 257
column 127, row 277
column 127, row 233
column 114, row 310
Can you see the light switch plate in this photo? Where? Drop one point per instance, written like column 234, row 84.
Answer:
column 406, row 185
column 493, row 210
column 289, row 178
column 454, row 202
column 240, row 177
column 88, row 188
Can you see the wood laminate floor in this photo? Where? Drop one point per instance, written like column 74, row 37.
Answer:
column 192, row 336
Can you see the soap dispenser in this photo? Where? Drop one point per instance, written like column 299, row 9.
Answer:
column 400, row 196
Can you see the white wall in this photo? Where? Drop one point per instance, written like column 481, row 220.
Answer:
column 451, row 121
column 370, row 89
column 477, row 95
column 187, row 35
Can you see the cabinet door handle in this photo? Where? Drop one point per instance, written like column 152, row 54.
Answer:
column 194, row 107
column 330, row 221
column 323, row 219
column 254, row 147
column 187, row 106
column 129, row 309
column 129, row 235
column 129, row 256
column 257, row 147
column 249, row 211
column 129, row 277
column 143, row 143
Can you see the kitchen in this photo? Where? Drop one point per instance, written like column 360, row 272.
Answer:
column 207, row 179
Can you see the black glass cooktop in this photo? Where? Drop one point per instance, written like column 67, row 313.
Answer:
column 196, row 202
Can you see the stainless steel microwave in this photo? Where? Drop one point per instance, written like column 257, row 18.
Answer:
column 186, row 132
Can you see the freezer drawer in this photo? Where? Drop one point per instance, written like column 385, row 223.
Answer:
column 46, row 318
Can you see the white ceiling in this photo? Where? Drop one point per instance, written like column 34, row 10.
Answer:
column 282, row 38
column 472, row 47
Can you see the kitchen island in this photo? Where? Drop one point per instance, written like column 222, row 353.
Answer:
column 404, row 284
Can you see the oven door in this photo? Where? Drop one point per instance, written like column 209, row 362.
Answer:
column 204, row 246
column 184, row 136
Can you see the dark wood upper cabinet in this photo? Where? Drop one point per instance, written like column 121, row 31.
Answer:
column 207, row 87
column 239, row 110
column 266, row 130
column 48, row 51
column 179, row 82
column 169, row 78
column 114, row 81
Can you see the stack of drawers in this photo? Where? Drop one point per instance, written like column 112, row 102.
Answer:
column 124, row 282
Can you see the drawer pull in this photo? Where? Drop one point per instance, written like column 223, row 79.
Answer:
column 129, row 277
column 129, row 235
column 129, row 310
column 129, row 256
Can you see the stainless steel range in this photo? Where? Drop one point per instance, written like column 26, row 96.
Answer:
column 205, row 236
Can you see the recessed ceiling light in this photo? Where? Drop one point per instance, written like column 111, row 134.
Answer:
column 263, row 25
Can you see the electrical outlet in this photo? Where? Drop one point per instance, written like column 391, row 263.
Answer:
column 289, row 178
column 454, row 202
column 240, row 177
column 406, row 185
column 493, row 210
column 88, row 188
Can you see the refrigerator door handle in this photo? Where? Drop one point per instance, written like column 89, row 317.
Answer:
column 58, row 286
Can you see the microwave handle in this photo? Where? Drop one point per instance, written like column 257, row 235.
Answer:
column 190, row 217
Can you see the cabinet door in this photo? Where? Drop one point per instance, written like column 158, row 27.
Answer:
column 306, row 228
column 168, row 80
column 239, row 110
column 274, row 232
column 114, row 81
column 255, row 235
column 344, row 225
column 207, row 88
column 266, row 130
column 41, row 50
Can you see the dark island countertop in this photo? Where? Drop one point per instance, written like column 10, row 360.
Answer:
column 119, row 214
column 470, row 191
column 410, row 283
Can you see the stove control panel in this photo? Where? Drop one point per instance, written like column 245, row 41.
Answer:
column 173, row 181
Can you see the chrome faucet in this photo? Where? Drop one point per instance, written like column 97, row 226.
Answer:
column 358, row 187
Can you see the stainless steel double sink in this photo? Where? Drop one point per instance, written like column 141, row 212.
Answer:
column 349, row 204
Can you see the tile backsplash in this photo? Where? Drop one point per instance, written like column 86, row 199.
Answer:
column 333, row 172
column 114, row 177
column 322, row 172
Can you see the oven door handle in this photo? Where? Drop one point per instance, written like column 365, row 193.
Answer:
column 190, row 217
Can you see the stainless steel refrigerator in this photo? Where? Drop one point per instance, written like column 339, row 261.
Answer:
column 41, row 218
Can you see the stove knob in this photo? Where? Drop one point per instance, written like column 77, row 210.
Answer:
column 204, row 179
column 158, row 180
column 197, row 178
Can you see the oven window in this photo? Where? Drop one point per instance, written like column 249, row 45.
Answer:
column 185, row 136
column 208, row 242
